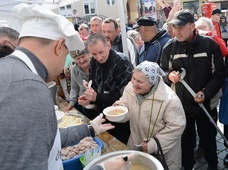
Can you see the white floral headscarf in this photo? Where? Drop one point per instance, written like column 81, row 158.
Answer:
column 151, row 70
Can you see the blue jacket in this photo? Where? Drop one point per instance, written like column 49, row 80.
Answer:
column 151, row 51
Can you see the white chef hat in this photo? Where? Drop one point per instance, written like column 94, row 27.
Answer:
column 38, row 21
column 3, row 23
column 151, row 70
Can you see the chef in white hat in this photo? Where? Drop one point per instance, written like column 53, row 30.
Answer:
column 29, row 136
column 55, row 31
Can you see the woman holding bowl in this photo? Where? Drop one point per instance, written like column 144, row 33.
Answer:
column 154, row 110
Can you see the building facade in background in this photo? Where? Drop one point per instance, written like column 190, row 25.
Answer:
column 133, row 9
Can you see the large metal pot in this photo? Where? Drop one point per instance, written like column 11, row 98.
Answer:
column 143, row 158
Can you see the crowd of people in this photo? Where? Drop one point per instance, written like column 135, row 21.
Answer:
column 147, row 79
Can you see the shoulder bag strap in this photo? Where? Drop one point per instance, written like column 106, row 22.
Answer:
column 161, row 152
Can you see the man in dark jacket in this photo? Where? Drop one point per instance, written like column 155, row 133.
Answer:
column 205, row 72
column 110, row 73
column 111, row 32
column 154, row 40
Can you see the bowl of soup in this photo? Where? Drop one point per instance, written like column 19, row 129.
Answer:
column 143, row 161
column 115, row 113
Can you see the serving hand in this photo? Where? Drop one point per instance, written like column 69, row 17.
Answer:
column 98, row 126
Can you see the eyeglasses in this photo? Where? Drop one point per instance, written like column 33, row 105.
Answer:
column 11, row 45
column 201, row 27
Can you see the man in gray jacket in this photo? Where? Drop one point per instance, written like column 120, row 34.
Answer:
column 29, row 136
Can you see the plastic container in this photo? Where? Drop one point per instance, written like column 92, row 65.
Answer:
column 74, row 163
column 90, row 156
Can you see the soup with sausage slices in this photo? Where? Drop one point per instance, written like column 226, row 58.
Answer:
column 139, row 166
column 115, row 112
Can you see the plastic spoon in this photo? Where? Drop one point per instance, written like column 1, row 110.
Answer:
column 138, row 145
column 90, row 84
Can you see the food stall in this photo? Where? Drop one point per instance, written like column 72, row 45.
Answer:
column 110, row 142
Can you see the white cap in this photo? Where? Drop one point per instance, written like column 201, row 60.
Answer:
column 38, row 21
column 3, row 23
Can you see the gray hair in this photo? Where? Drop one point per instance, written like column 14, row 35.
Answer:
column 209, row 23
column 96, row 18
column 9, row 32
column 94, row 38
column 83, row 26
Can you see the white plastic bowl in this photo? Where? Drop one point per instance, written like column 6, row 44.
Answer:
column 117, row 117
column 59, row 115
column 56, row 107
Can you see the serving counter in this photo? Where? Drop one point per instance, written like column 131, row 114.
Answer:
column 110, row 142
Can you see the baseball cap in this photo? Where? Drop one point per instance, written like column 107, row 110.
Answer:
column 38, row 21
column 183, row 17
column 216, row 11
column 145, row 21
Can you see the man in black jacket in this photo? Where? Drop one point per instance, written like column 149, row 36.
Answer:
column 109, row 73
column 111, row 32
column 205, row 72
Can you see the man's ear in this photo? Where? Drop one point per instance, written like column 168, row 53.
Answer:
column 59, row 45
column 193, row 26
column 108, row 43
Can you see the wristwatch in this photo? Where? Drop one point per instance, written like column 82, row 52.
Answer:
column 91, row 130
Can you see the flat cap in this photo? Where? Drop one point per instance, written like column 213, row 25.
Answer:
column 145, row 21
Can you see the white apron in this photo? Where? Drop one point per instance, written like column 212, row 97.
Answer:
column 54, row 159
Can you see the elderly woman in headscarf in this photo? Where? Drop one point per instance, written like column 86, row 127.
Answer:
column 154, row 110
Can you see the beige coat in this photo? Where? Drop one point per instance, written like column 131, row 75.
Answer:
column 170, row 123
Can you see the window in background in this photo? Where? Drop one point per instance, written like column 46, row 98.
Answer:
column 89, row 7
column 68, row 7
column 224, row 5
column 111, row 2
column 62, row 8
column 193, row 6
